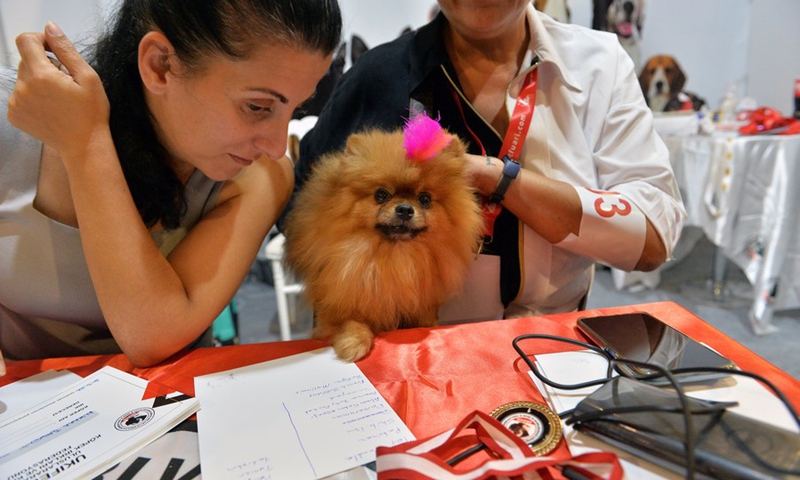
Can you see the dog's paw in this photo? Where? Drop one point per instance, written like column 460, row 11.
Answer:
column 353, row 342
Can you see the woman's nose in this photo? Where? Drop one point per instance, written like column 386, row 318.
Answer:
column 273, row 141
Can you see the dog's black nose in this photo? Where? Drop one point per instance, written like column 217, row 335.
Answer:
column 404, row 211
column 628, row 6
column 659, row 86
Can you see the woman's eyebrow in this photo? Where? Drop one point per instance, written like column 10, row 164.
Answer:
column 281, row 98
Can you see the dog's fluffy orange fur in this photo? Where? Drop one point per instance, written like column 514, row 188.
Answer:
column 381, row 241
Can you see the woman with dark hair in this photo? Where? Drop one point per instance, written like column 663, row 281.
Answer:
column 136, row 191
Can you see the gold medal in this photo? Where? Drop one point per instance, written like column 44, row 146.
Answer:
column 534, row 423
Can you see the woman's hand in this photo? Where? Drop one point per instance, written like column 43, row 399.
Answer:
column 2, row 364
column 64, row 108
column 550, row 207
column 484, row 172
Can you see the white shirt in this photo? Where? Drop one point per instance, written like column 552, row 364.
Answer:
column 591, row 128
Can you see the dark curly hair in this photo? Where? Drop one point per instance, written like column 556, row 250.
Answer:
column 197, row 30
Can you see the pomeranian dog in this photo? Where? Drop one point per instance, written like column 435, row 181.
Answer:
column 383, row 233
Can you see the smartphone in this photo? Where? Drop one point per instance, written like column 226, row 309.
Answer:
column 644, row 338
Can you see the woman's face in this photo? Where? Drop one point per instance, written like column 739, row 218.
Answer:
column 223, row 118
column 483, row 19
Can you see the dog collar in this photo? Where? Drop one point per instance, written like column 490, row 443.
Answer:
column 510, row 171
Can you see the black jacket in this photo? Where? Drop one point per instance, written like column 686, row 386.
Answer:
column 378, row 91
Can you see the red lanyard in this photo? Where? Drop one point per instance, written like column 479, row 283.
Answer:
column 514, row 140
column 521, row 117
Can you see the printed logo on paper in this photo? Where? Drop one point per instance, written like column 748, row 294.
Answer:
column 134, row 419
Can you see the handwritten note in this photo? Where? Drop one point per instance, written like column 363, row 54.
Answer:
column 306, row 416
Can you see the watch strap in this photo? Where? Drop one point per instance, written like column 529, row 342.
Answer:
column 510, row 171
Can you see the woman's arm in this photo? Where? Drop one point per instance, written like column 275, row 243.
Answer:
column 629, row 158
column 154, row 306
column 551, row 208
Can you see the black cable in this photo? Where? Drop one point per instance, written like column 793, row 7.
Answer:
column 745, row 373
column 671, row 375
column 689, row 439
column 568, row 472
column 574, row 419
column 572, row 474
column 744, row 446
column 547, row 381
column 688, row 418
column 466, row 453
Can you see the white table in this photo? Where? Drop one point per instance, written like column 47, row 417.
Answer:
column 744, row 193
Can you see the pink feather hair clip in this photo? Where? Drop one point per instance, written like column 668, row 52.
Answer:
column 424, row 138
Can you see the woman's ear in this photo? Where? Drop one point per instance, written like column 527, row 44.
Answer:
column 156, row 60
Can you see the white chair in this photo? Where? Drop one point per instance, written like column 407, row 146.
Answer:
column 286, row 288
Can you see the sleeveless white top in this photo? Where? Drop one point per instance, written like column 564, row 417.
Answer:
column 48, row 306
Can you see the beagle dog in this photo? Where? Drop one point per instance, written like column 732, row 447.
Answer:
column 557, row 9
column 624, row 18
column 662, row 81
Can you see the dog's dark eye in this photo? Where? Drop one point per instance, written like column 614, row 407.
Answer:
column 424, row 199
column 382, row 195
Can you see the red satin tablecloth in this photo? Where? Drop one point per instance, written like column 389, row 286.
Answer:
column 431, row 377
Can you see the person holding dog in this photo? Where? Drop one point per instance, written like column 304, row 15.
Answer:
column 561, row 144
column 137, row 188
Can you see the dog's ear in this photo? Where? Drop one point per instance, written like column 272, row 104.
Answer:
column 358, row 47
column 456, row 147
column 355, row 143
column 678, row 78
column 599, row 14
column 313, row 106
column 640, row 17
column 697, row 102
column 644, row 79
column 293, row 143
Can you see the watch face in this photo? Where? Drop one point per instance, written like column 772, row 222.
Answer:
column 534, row 423
column 511, row 167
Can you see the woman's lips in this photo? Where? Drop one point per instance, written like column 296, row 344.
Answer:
column 241, row 161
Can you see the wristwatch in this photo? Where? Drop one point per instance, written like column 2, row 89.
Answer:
column 510, row 172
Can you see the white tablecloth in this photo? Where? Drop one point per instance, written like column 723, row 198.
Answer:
column 744, row 193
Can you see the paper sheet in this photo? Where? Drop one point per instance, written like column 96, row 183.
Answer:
column 22, row 394
column 86, row 427
column 305, row 416
column 569, row 368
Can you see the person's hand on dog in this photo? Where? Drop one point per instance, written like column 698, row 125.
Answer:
column 66, row 111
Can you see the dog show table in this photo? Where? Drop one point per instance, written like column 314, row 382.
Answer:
column 431, row 377
column 742, row 192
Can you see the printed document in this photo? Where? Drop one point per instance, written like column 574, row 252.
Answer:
column 87, row 427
